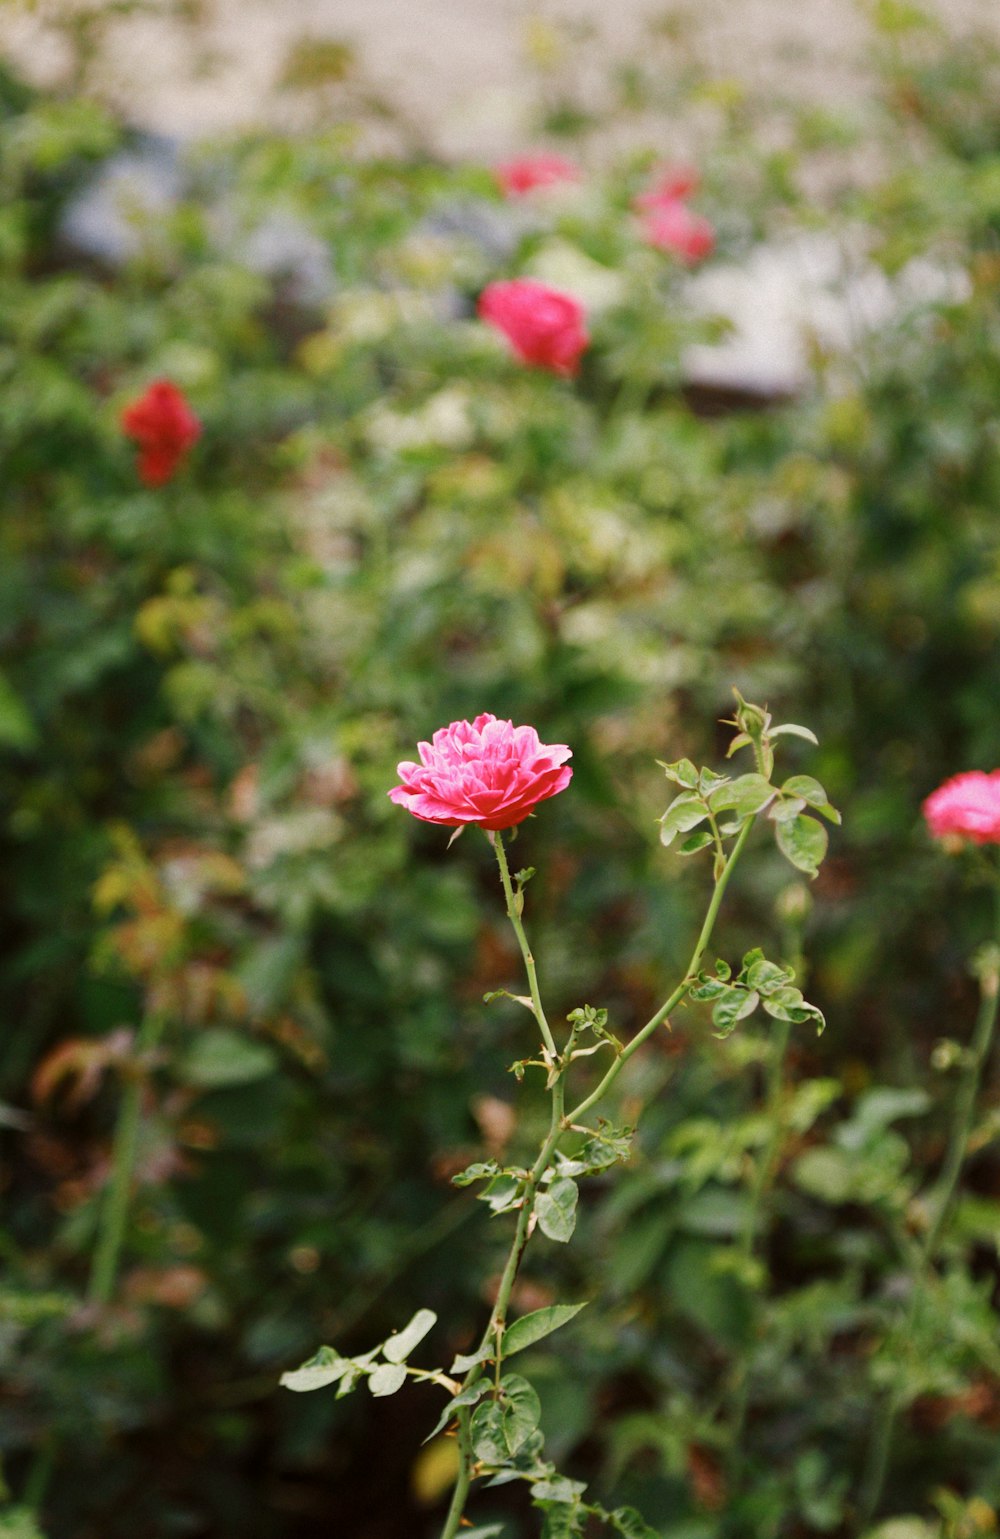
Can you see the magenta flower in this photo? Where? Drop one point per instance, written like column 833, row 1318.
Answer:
column 672, row 226
column 672, row 183
column 966, row 807
column 526, row 172
column 486, row 772
column 543, row 325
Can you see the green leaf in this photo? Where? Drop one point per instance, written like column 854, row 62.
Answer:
column 684, row 813
column 803, row 841
column 558, row 1488
column 787, row 1004
column 467, row 1396
column 556, row 1209
column 734, row 1006
column 487, row 1433
column 541, row 1322
column 218, row 1058
column 325, row 1367
column 522, row 1410
column 386, row 1379
column 745, row 796
column 682, row 772
column 483, row 1170
column 790, row 729
column 399, row 1347
column 631, row 1524
column 502, row 1194
column 812, row 793
column 485, row 1531
column 694, row 842
column 462, row 1364
column 762, row 975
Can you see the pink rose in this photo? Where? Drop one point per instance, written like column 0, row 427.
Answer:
column 967, row 806
column 543, row 325
column 487, row 772
column 526, row 172
column 673, row 227
column 672, row 183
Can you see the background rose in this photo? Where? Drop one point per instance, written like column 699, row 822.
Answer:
column 526, row 172
column 165, row 428
column 967, row 805
column 543, row 325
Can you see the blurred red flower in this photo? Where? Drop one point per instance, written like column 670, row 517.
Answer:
column 163, row 425
column 543, row 325
column 526, row 172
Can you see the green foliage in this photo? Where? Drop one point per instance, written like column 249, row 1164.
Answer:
column 203, row 695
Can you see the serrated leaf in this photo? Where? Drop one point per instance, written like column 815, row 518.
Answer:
column 631, row 1524
column 386, row 1379
column 487, row 1433
column 682, row 772
column 482, row 1170
column 764, row 976
column 558, row 1488
column 536, row 1325
column 400, row 1345
column 684, row 813
column 787, row 1004
column 734, row 1006
column 693, row 843
column 556, row 1210
column 522, row 1410
column 325, row 1367
column 791, row 729
column 745, row 795
column 804, row 842
column 462, row 1364
column 468, row 1396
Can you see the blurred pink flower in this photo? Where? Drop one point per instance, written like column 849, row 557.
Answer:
column 967, row 806
column 486, row 772
column 672, row 226
column 164, row 426
column 543, row 325
column 672, row 183
column 526, row 172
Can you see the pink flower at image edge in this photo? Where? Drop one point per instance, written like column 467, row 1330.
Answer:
column 966, row 807
column 544, row 326
column 526, row 172
column 487, row 772
column 163, row 425
column 672, row 226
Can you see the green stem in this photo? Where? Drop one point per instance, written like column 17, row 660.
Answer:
column 748, row 1239
column 880, row 1447
column 559, row 1123
column 514, row 915
column 114, row 1207
column 680, row 991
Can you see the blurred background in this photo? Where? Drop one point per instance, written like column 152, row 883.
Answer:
column 777, row 469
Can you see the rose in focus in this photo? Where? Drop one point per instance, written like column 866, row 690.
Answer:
column 526, row 172
column 487, row 772
column 544, row 326
column 163, row 425
column 966, row 807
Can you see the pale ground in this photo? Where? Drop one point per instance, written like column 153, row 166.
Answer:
column 456, row 65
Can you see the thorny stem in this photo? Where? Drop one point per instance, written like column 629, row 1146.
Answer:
column 514, row 901
column 114, row 1208
column 559, row 1123
column 891, row 1404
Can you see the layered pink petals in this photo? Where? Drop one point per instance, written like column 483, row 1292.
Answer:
column 526, row 172
column 544, row 326
column 967, row 807
column 486, row 772
column 163, row 425
column 672, row 226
